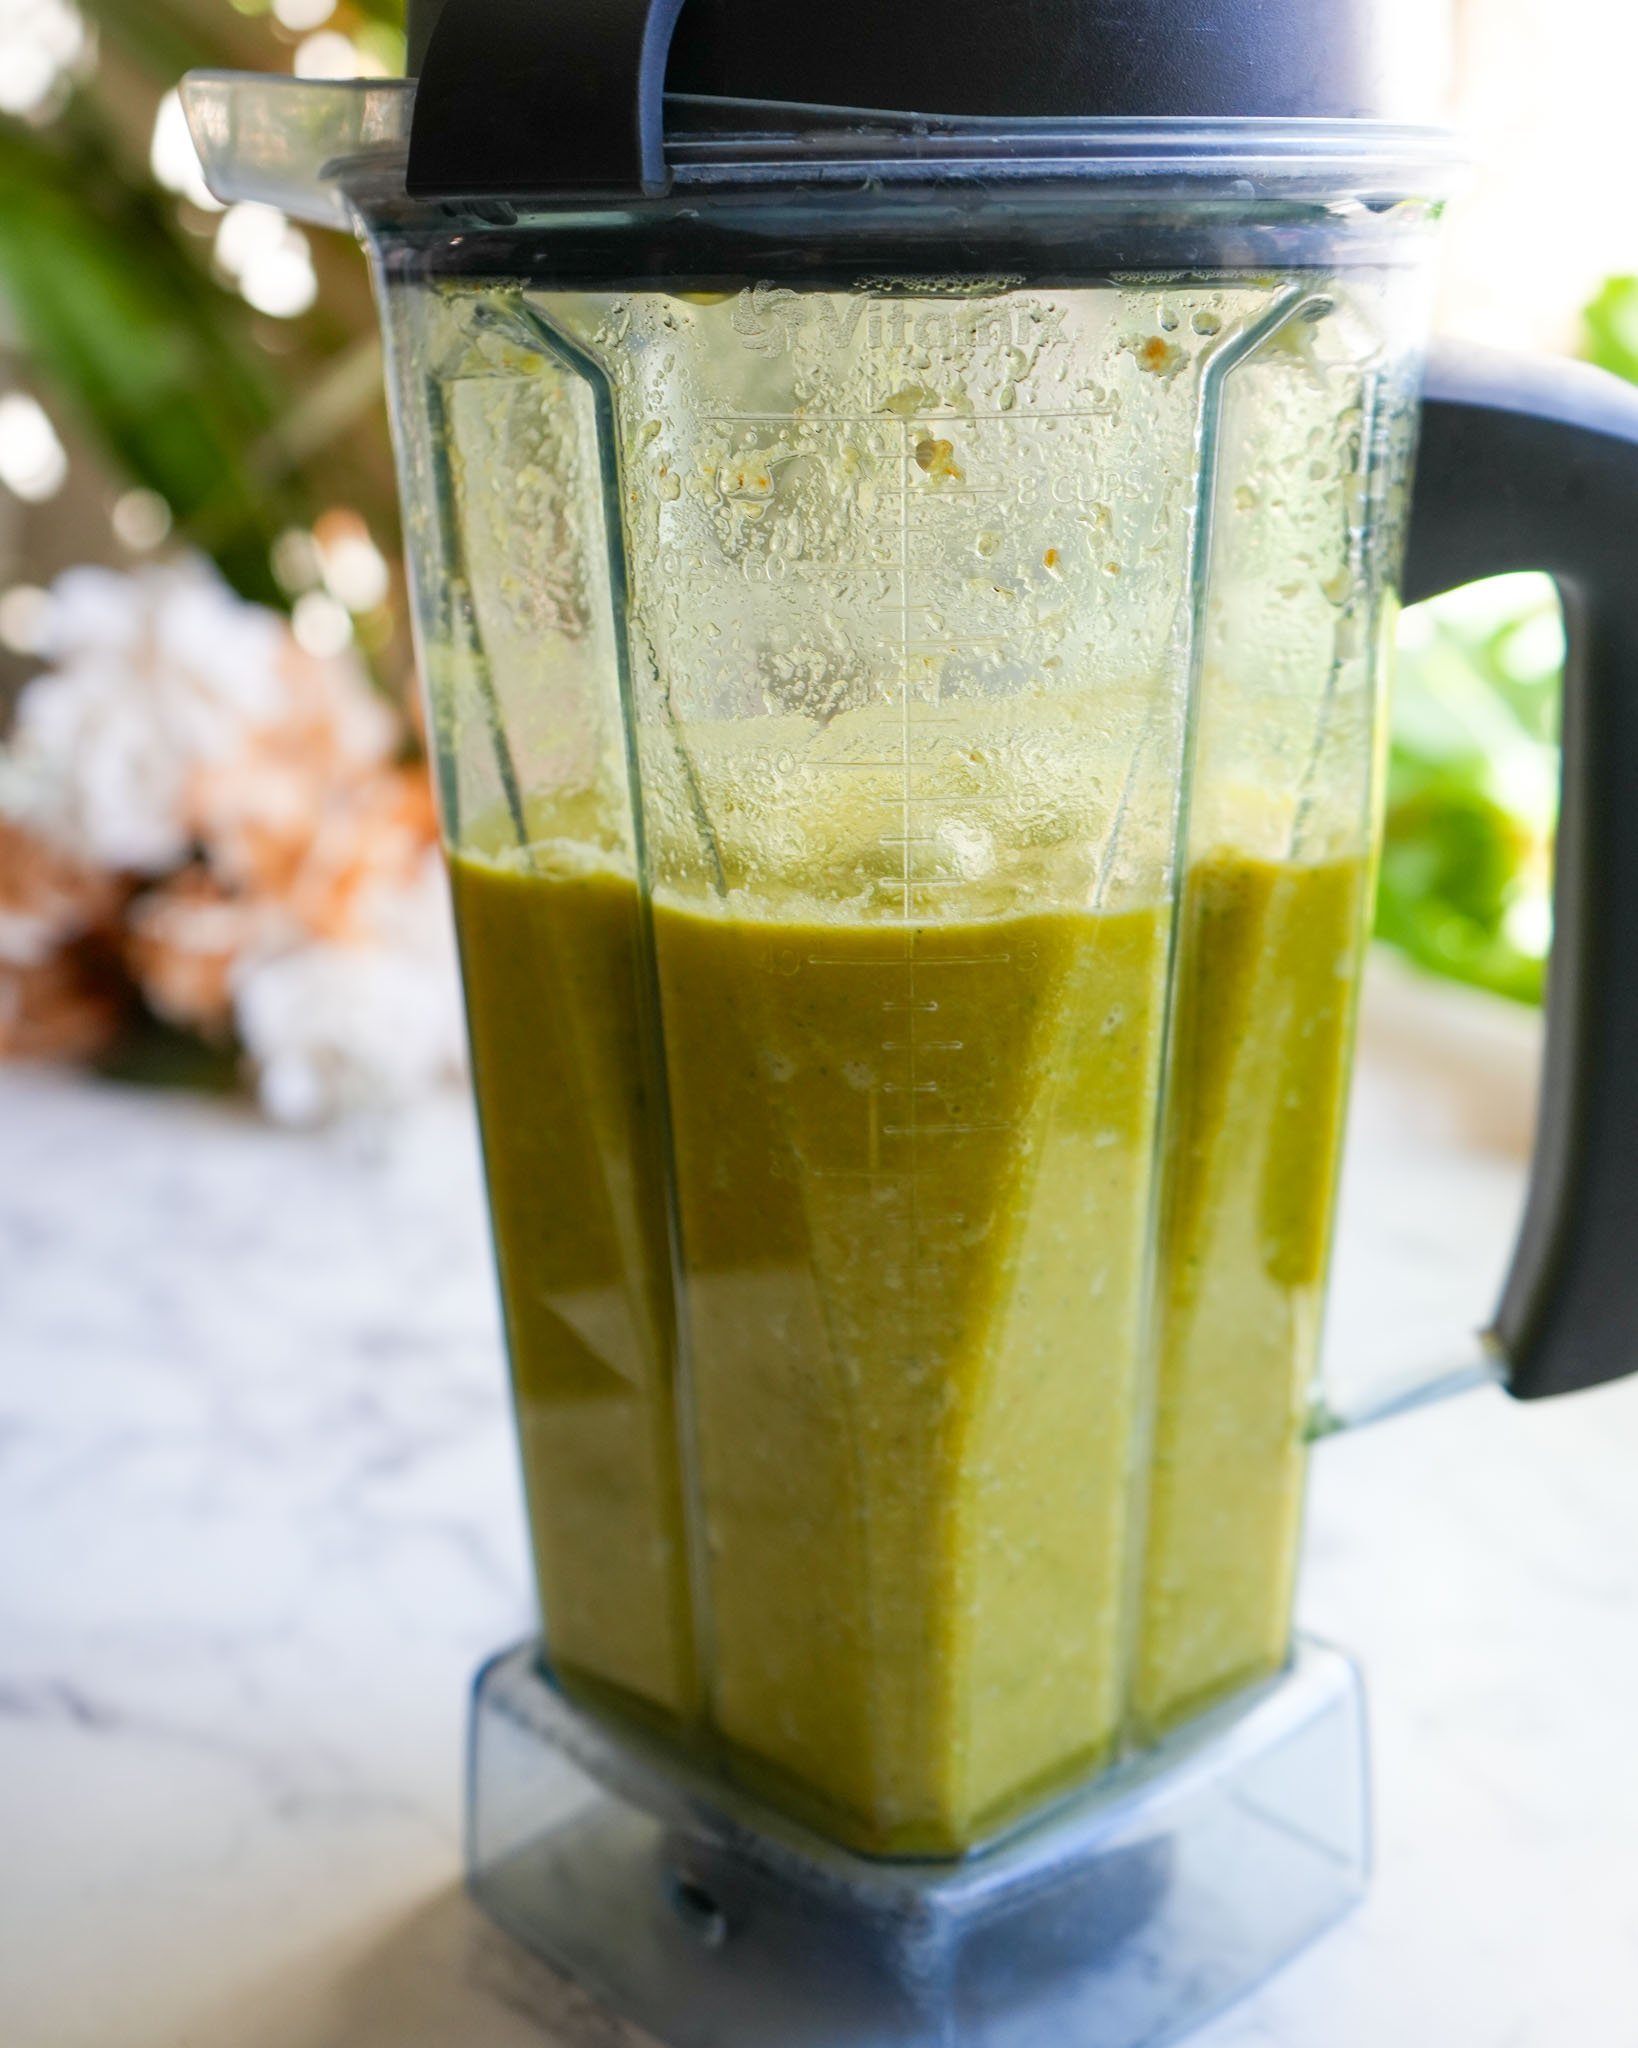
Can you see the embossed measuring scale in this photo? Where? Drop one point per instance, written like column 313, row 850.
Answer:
column 902, row 600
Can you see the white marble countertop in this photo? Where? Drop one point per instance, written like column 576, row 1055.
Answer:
column 259, row 1521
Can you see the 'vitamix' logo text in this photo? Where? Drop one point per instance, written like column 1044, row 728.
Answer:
column 771, row 319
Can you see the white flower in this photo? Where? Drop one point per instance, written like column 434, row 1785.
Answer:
column 183, row 736
column 153, row 673
column 369, row 1022
column 158, row 677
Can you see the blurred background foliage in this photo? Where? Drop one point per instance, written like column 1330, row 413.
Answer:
column 1472, row 785
column 170, row 371
column 1472, row 788
column 206, row 376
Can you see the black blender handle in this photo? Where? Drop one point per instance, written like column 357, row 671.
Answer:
column 1534, row 465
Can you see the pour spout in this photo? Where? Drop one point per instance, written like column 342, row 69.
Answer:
column 299, row 144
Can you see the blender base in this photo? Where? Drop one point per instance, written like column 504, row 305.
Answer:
column 1121, row 1918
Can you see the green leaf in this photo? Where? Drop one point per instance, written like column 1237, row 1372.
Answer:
column 119, row 317
column 1610, row 328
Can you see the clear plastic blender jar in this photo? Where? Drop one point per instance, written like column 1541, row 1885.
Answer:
column 903, row 605
column 911, row 980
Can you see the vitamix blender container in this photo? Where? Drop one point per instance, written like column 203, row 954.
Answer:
column 906, row 511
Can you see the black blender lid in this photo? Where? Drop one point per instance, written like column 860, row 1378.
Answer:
column 529, row 98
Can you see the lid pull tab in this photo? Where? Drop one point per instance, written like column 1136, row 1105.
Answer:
column 524, row 98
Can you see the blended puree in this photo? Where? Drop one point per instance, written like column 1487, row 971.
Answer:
column 912, row 1173
column 1257, row 1094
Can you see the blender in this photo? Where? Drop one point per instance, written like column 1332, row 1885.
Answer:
column 906, row 515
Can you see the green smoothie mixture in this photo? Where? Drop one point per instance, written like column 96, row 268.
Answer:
column 1258, row 1088
column 890, row 1304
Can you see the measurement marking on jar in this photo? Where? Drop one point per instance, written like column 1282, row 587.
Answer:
column 917, row 1081
column 898, row 766
column 942, row 804
column 889, row 1173
column 953, row 960
column 1012, row 417
column 842, row 960
column 907, row 824
column 921, row 1130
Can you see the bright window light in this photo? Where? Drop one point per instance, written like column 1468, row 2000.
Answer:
column 42, row 44
column 301, row 15
column 329, row 54
column 33, row 462
column 322, row 627
column 269, row 260
column 173, row 158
